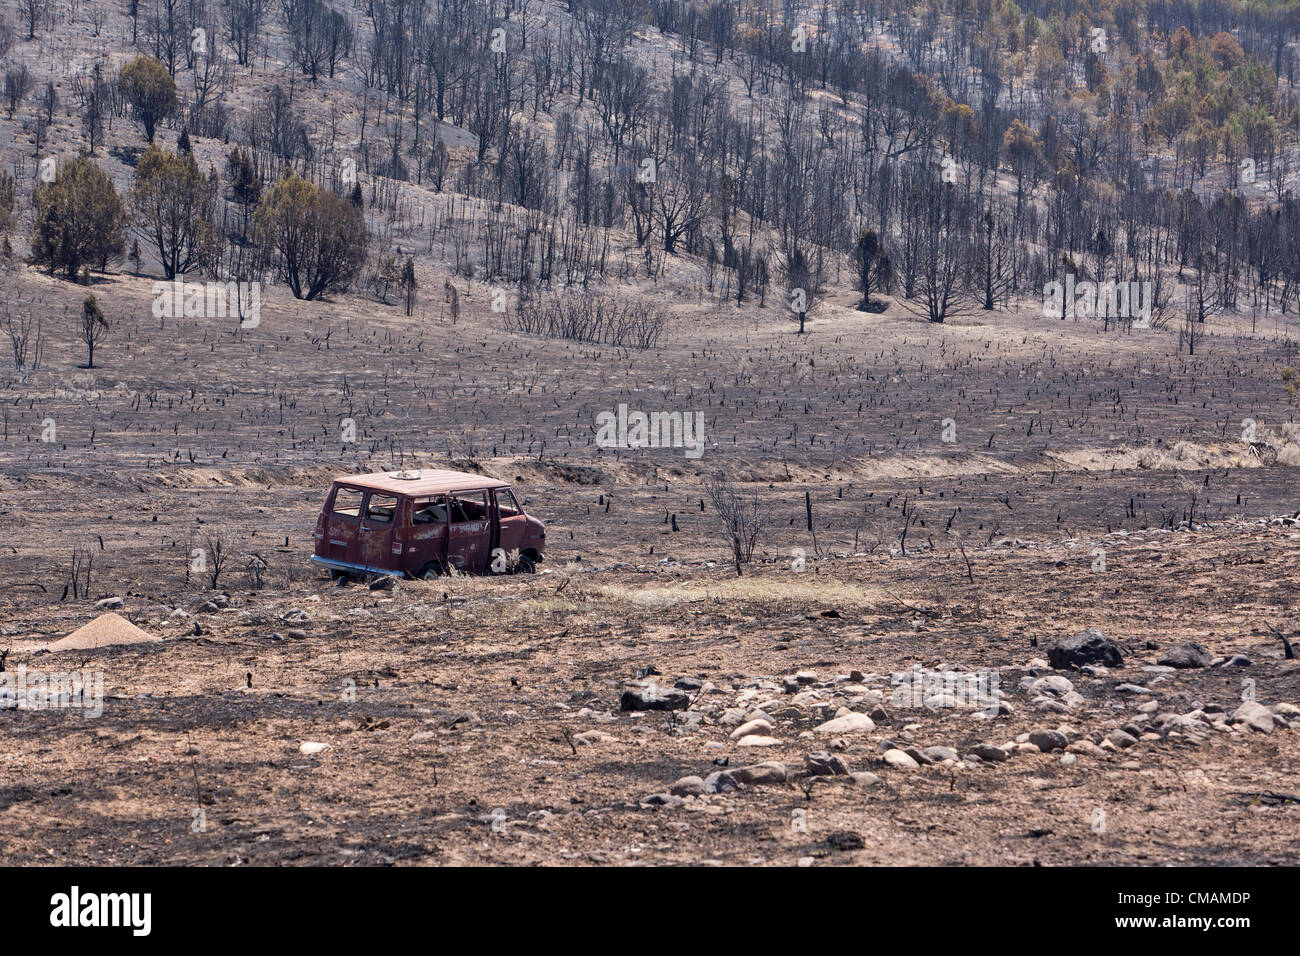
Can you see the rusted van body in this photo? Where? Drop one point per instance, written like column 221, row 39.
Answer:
column 419, row 523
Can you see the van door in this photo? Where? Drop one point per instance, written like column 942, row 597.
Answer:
column 376, row 532
column 427, row 538
column 510, row 521
column 469, row 536
column 341, row 526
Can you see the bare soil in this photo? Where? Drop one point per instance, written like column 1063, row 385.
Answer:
column 443, row 701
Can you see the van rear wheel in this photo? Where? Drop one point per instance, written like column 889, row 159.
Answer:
column 430, row 571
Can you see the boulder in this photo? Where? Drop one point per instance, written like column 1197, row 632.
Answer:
column 653, row 697
column 1089, row 646
column 847, row 724
column 687, row 786
column 823, row 764
column 1185, row 656
column 1048, row 740
column 900, row 761
column 769, row 772
column 1255, row 716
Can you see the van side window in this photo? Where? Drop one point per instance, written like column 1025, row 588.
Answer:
column 381, row 508
column 430, row 510
column 506, row 504
column 347, row 501
column 468, row 506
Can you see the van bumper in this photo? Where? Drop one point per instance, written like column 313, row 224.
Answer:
column 333, row 565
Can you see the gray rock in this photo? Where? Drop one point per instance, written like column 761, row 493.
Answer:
column 732, row 716
column 865, row 779
column 917, row 755
column 940, row 754
column 662, row 800
column 900, row 761
column 1185, row 656
column 687, row 786
column 1089, row 646
column 849, row 723
column 687, row 722
column 1255, row 716
column 823, row 764
column 1085, row 747
column 756, row 726
column 758, row 740
column 720, row 782
column 1049, row 740
column 653, row 698
column 1237, row 660
column 990, row 752
column 1053, row 684
column 1122, row 739
column 768, row 772
column 108, row 603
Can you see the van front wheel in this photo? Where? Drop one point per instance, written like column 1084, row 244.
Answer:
column 525, row 565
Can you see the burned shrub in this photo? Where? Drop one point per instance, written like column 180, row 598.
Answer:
column 585, row 317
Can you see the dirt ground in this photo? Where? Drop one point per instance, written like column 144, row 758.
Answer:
column 479, row 721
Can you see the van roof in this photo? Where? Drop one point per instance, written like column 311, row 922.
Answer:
column 425, row 481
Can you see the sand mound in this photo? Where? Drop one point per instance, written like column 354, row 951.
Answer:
column 103, row 631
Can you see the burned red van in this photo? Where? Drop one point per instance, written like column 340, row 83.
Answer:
column 419, row 523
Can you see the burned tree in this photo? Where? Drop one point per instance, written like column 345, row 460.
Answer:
column 739, row 518
column 875, row 273
column 94, row 327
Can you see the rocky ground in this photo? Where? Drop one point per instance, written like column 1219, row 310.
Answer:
column 678, row 714
column 1094, row 483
